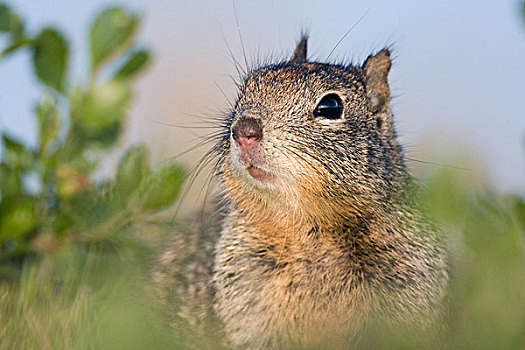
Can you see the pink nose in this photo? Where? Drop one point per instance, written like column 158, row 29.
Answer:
column 247, row 132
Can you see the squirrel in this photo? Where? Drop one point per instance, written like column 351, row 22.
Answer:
column 317, row 232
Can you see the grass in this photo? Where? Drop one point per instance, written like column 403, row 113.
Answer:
column 82, row 299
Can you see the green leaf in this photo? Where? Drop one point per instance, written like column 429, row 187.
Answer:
column 135, row 63
column 103, row 107
column 5, row 18
column 48, row 123
column 160, row 189
column 50, row 55
column 11, row 183
column 16, row 155
column 111, row 32
column 18, row 218
column 11, row 23
column 17, row 28
column 132, row 169
column 11, row 144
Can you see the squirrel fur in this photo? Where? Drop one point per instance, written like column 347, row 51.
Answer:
column 317, row 232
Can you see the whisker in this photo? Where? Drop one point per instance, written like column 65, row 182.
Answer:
column 192, row 148
column 437, row 164
column 205, row 118
column 236, row 63
column 236, row 81
column 194, row 173
column 240, row 36
column 300, row 151
column 182, row 126
column 223, row 94
column 208, row 182
column 345, row 35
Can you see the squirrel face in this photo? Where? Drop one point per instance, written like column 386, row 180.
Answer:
column 304, row 131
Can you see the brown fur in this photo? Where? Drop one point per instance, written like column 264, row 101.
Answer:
column 334, row 240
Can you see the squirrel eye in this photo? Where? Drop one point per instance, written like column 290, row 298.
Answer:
column 330, row 107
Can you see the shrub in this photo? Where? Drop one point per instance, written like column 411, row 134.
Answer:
column 76, row 124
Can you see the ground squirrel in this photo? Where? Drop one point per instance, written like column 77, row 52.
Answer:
column 317, row 232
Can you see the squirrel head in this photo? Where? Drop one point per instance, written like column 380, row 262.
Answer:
column 313, row 138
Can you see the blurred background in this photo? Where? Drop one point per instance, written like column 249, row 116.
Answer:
column 458, row 75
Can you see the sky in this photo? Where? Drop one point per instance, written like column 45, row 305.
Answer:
column 458, row 77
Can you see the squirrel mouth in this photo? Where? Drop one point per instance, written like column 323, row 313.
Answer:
column 258, row 173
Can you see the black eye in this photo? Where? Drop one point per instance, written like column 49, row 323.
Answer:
column 330, row 107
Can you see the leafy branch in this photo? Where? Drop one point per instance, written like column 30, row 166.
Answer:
column 76, row 123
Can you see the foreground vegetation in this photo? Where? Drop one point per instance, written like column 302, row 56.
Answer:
column 75, row 251
column 99, row 298
column 72, row 245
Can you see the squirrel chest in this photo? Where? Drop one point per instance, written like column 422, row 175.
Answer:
column 298, row 291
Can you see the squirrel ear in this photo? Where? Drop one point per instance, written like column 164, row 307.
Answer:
column 299, row 54
column 376, row 68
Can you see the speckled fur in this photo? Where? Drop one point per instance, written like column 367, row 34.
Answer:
column 334, row 240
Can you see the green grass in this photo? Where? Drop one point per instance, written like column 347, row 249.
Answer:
column 77, row 299
column 486, row 234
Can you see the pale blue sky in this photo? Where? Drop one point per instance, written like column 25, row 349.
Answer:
column 458, row 76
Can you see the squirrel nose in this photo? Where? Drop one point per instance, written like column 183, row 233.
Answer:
column 247, row 132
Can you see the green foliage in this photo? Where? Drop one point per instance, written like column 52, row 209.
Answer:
column 13, row 26
column 111, row 32
column 157, row 190
column 7, row 19
column 75, row 122
column 486, row 240
column 132, row 169
column 101, row 109
column 11, row 23
column 50, row 58
column 134, row 64
column 77, row 299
